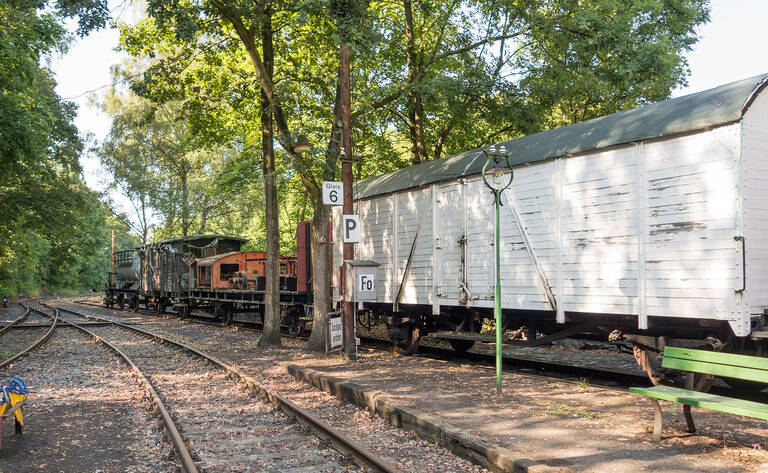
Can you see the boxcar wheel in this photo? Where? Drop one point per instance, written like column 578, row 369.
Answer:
column 410, row 345
column 121, row 302
column 461, row 346
column 223, row 312
column 296, row 329
column 228, row 315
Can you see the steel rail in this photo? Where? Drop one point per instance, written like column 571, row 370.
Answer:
column 17, row 319
column 516, row 364
column 178, row 442
column 343, row 443
column 192, row 318
column 39, row 342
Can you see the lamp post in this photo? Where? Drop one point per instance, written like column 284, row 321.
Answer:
column 497, row 175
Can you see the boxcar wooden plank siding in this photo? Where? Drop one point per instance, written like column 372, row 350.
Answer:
column 754, row 162
column 645, row 228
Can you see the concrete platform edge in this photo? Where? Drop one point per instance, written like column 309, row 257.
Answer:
column 461, row 443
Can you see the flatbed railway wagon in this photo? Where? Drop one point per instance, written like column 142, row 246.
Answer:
column 649, row 224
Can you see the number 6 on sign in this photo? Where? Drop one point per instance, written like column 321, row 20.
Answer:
column 333, row 193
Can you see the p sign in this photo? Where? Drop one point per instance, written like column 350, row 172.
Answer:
column 350, row 227
column 333, row 192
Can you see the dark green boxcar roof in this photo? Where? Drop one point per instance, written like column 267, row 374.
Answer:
column 710, row 108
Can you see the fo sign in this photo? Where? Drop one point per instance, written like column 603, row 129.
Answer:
column 366, row 286
column 333, row 193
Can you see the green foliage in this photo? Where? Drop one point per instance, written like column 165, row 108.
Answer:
column 52, row 228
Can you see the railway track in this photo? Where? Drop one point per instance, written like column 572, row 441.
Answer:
column 220, row 423
column 560, row 367
column 15, row 345
column 15, row 321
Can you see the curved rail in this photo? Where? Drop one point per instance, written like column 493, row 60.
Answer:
column 39, row 342
column 178, row 442
column 17, row 319
column 362, row 454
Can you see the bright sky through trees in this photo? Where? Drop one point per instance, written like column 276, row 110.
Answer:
column 731, row 48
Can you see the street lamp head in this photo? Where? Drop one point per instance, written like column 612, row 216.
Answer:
column 497, row 171
column 497, row 178
column 302, row 145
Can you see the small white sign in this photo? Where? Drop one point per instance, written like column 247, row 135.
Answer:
column 333, row 193
column 366, row 286
column 335, row 333
column 350, row 228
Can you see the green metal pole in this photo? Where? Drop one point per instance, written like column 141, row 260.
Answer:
column 497, row 310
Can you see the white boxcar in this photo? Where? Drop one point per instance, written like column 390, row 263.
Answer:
column 643, row 220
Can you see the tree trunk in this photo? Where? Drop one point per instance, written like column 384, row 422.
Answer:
column 416, row 112
column 144, row 224
column 321, row 284
column 271, row 335
column 184, row 201
column 415, row 105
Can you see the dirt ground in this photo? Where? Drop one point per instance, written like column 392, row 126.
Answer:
column 572, row 426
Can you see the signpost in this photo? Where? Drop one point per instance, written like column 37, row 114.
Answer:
column 333, row 193
column 335, row 336
column 350, row 227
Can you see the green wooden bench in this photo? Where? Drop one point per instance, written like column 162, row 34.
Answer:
column 744, row 367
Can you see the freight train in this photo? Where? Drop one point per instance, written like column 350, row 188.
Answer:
column 210, row 272
column 648, row 225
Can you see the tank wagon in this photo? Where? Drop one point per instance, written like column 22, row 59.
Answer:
column 649, row 224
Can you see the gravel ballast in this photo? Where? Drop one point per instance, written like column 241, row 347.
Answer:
column 86, row 412
column 565, row 426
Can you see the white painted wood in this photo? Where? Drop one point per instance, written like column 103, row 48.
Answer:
column 448, row 233
column 393, row 276
column 530, row 249
column 414, row 217
column 559, row 180
column 434, row 238
column 754, row 161
column 641, row 188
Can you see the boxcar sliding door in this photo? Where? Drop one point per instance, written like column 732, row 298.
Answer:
column 448, row 237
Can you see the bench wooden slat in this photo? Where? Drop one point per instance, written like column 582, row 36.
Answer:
column 706, row 401
column 746, row 361
column 716, row 369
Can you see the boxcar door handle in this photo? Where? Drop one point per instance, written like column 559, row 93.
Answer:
column 743, row 263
